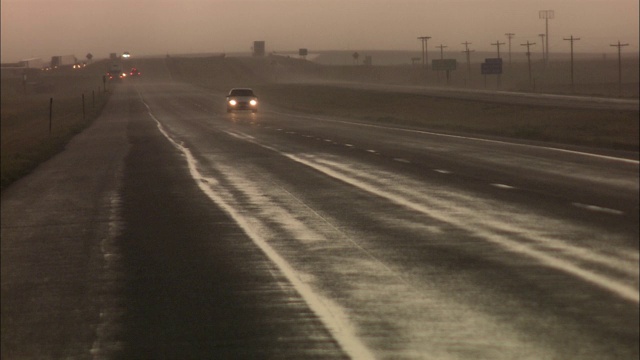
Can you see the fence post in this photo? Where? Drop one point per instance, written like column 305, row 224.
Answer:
column 50, row 114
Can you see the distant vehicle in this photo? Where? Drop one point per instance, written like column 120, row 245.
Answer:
column 34, row 63
column 242, row 99
column 134, row 72
column 126, row 55
column 63, row 61
column 115, row 71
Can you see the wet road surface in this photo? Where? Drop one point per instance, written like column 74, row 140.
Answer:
column 171, row 229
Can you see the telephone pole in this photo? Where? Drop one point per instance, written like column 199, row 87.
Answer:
column 572, row 39
column 441, row 47
column 542, row 36
column 528, row 44
column 424, row 40
column 466, row 45
column 619, row 46
column 546, row 15
column 510, row 36
column 498, row 43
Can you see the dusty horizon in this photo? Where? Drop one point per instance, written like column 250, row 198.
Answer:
column 44, row 28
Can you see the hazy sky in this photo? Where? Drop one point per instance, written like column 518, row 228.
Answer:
column 42, row 28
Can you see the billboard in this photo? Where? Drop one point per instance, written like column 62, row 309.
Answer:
column 258, row 48
column 444, row 64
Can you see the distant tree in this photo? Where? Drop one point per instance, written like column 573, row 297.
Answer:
column 89, row 57
column 355, row 57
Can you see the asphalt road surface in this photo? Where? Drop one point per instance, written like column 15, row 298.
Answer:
column 173, row 230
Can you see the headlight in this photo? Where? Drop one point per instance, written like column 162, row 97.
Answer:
column 253, row 103
column 232, row 102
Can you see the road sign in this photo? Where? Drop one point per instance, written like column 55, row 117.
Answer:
column 444, row 64
column 491, row 66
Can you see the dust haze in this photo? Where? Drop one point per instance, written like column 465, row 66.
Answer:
column 43, row 28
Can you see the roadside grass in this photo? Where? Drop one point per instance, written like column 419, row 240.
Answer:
column 596, row 128
column 24, row 119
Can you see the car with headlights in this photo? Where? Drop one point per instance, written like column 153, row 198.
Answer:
column 242, row 99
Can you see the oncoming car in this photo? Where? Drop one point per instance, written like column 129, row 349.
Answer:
column 242, row 99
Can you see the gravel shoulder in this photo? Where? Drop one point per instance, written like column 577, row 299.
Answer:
column 53, row 223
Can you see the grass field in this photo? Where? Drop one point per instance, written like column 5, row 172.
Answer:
column 597, row 128
column 27, row 136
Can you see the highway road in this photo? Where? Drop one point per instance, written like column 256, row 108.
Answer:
column 171, row 229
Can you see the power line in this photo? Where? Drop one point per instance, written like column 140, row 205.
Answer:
column 619, row 46
column 466, row 45
column 542, row 36
column 572, row 39
column 498, row 43
column 425, row 59
column 510, row 36
column 546, row 15
column 441, row 47
column 528, row 44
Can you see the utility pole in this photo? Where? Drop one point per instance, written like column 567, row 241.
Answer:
column 424, row 40
column 528, row 44
column 441, row 47
column 466, row 45
column 572, row 39
column 619, row 46
column 510, row 36
column 498, row 43
column 542, row 36
column 546, row 15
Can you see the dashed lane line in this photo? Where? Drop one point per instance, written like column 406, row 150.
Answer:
column 598, row 209
column 503, row 186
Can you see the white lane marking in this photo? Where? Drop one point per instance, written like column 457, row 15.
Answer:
column 410, row 191
column 441, row 171
column 373, row 152
column 621, row 289
column 402, row 160
column 494, row 232
column 503, row 186
column 605, row 157
column 331, row 315
column 598, row 209
column 348, row 145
